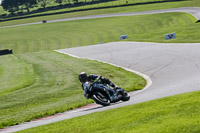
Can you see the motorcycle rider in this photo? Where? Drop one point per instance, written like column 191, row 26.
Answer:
column 84, row 78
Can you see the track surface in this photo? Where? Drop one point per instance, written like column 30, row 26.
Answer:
column 195, row 11
column 173, row 68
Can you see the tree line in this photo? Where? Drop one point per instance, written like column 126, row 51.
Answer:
column 17, row 5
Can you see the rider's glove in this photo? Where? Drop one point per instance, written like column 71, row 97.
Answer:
column 116, row 87
column 112, row 85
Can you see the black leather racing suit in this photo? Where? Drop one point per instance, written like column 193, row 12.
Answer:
column 91, row 78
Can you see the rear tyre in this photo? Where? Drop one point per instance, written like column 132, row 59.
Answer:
column 100, row 98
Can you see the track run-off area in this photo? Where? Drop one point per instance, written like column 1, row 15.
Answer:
column 170, row 68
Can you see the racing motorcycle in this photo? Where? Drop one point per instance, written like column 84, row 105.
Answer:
column 103, row 94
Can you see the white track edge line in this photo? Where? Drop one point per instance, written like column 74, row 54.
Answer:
column 147, row 78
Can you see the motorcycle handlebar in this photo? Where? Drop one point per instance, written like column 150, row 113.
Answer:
column 97, row 79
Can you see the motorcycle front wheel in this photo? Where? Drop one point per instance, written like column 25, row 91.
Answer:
column 125, row 96
column 100, row 98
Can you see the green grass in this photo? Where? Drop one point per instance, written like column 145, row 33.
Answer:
column 1, row 9
column 34, row 85
column 176, row 114
column 145, row 7
column 14, row 78
column 145, row 28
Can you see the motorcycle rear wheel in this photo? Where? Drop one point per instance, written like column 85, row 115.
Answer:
column 100, row 98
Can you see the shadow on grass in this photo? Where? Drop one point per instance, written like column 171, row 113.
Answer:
column 104, row 106
column 54, row 8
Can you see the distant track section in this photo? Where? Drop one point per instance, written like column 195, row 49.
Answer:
column 195, row 11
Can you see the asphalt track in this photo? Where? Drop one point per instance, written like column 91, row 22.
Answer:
column 172, row 68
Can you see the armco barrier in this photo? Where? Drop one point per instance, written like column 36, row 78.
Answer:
column 5, row 52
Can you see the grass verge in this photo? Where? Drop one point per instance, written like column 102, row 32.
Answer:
column 176, row 114
column 145, row 28
column 39, row 84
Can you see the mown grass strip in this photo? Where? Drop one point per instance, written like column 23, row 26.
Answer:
column 175, row 114
column 14, row 78
column 145, row 28
column 53, row 84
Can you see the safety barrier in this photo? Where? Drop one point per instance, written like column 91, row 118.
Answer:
column 5, row 52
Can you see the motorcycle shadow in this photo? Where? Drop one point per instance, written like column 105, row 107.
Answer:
column 101, row 106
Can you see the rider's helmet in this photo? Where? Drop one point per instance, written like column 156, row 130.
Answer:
column 82, row 77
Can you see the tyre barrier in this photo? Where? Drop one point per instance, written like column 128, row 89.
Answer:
column 5, row 52
column 197, row 21
column 44, row 21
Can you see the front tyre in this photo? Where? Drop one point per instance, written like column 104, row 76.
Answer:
column 125, row 97
column 100, row 98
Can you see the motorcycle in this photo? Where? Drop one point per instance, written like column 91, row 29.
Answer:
column 103, row 94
